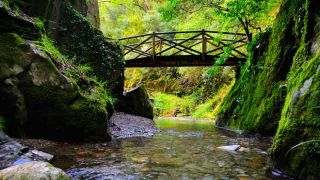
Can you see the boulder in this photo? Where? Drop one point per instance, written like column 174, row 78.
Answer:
column 33, row 170
column 136, row 101
column 40, row 101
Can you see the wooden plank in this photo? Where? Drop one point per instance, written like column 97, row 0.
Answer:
column 181, row 61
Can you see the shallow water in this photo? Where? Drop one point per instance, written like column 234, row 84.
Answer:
column 182, row 150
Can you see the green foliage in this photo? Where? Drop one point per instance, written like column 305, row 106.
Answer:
column 205, row 110
column 300, row 145
column 46, row 44
column 170, row 11
column 244, row 15
column 192, row 105
column 40, row 24
column 87, row 46
column 165, row 104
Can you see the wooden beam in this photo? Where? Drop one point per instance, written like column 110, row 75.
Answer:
column 135, row 47
column 185, row 50
column 138, row 51
column 153, row 46
column 179, row 44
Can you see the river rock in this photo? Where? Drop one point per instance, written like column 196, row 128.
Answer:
column 33, row 170
column 13, row 153
column 230, row 148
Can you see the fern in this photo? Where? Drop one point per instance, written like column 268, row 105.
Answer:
column 300, row 144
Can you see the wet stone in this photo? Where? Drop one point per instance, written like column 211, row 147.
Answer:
column 230, row 148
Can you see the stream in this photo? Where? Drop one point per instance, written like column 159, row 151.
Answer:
column 182, row 150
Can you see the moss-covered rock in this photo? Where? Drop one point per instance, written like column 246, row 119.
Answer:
column 300, row 118
column 255, row 102
column 33, row 170
column 40, row 101
column 79, row 40
column 48, row 94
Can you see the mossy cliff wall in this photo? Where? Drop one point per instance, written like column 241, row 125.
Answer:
column 51, row 92
column 72, row 24
column 278, row 90
column 300, row 118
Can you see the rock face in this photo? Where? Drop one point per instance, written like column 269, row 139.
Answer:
column 67, row 22
column 40, row 101
column 52, row 9
column 42, row 94
column 136, row 101
column 10, row 22
column 279, row 89
column 33, row 170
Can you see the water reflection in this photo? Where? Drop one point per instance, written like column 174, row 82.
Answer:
column 182, row 150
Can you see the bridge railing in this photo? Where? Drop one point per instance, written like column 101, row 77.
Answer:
column 201, row 43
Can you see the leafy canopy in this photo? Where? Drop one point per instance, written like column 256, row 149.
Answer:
column 250, row 15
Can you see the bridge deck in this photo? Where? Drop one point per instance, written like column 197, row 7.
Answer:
column 180, row 61
column 184, row 48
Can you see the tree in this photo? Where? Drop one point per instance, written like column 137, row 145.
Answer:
column 247, row 13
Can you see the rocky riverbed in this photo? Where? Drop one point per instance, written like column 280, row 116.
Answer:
column 122, row 125
column 22, row 157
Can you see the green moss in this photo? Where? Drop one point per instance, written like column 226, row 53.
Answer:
column 10, row 39
column 47, row 44
column 11, row 45
column 40, row 24
column 255, row 102
column 300, row 117
column 205, row 110
column 279, row 87
column 87, row 46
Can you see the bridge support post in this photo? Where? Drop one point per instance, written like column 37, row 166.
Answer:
column 204, row 44
column 153, row 46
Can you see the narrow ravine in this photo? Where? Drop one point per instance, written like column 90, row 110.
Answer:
column 184, row 149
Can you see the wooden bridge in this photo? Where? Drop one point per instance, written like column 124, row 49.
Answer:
column 183, row 48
